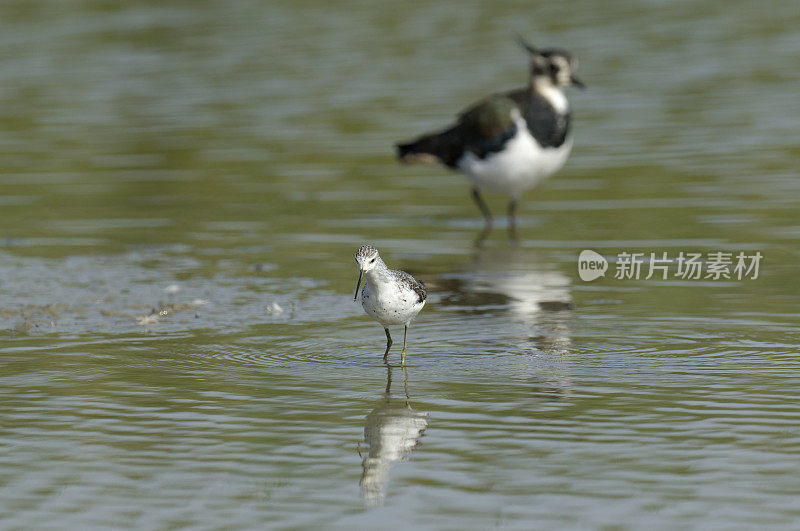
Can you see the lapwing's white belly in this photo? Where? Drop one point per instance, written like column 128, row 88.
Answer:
column 390, row 306
column 521, row 165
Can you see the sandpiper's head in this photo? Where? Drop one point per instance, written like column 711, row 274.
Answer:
column 552, row 66
column 367, row 258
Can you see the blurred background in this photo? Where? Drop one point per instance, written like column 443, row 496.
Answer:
column 184, row 185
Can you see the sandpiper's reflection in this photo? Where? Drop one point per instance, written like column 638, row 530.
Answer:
column 391, row 432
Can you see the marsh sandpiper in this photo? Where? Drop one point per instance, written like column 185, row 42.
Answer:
column 391, row 297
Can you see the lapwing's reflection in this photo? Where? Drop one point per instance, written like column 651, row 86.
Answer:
column 518, row 278
column 535, row 300
column 391, row 432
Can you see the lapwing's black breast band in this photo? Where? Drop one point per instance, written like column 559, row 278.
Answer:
column 549, row 127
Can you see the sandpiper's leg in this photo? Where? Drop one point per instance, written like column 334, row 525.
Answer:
column 405, row 384
column 512, row 218
column 487, row 215
column 388, row 345
column 403, row 352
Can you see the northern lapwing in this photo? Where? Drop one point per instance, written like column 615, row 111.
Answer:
column 511, row 141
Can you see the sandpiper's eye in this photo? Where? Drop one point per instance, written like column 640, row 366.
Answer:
column 372, row 261
column 553, row 68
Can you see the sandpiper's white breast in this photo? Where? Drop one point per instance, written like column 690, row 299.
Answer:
column 390, row 303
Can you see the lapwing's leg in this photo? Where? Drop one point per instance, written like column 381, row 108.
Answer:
column 512, row 218
column 388, row 345
column 403, row 352
column 487, row 215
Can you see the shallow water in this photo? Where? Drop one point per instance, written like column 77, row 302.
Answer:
column 184, row 187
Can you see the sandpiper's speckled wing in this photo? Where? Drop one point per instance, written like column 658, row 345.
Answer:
column 548, row 127
column 409, row 282
column 481, row 129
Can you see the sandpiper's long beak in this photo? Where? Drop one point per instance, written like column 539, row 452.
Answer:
column 577, row 82
column 358, row 285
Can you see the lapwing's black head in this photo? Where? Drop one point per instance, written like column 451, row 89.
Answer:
column 552, row 65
